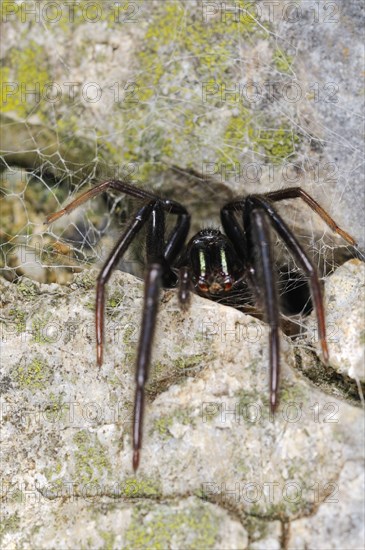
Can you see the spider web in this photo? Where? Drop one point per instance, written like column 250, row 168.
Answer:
column 184, row 125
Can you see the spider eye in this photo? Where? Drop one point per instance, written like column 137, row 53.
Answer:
column 228, row 282
column 203, row 287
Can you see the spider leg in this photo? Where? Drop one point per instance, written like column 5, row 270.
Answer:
column 178, row 235
column 298, row 192
column 119, row 249
column 174, row 245
column 232, row 228
column 184, row 285
column 255, row 238
column 159, row 258
column 258, row 231
column 260, row 202
column 117, row 185
column 153, row 282
column 241, row 239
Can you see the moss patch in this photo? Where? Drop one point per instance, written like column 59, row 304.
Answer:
column 329, row 380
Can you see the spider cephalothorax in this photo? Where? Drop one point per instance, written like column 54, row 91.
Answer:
column 213, row 264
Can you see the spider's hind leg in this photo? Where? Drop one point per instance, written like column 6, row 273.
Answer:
column 299, row 193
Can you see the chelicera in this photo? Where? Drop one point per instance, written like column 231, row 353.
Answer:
column 213, row 264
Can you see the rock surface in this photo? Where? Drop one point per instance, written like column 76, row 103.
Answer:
column 191, row 100
column 344, row 304
column 216, row 468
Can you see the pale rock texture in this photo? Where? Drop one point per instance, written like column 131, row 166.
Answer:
column 216, row 467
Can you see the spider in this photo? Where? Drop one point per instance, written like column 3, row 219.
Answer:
column 212, row 264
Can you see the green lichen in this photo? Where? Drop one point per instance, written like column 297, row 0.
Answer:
column 34, row 375
column 108, row 538
column 191, row 529
column 90, row 305
column 85, row 280
column 116, row 299
column 28, row 70
column 256, row 528
column 274, row 143
column 286, row 509
column 283, row 62
column 114, row 303
column 167, row 372
column 139, row 488
column 27, row 288
column 238, row 129
column 252, row 408
column 175, row 36
column 91, row 461
column 277, row 143
column 292, row 391
column 9, row 524
column 18, row 317
column 56, row 410
column 128, row 333
column 39, row 329
column 188, row 362
column 163, row 424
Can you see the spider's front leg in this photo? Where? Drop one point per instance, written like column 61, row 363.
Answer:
column 115, row 256
column 160, row 256
column 119, row 249
column 256, row 211
column 159, row 259
column 252, row 245
column 264, row 267
column 260, row 204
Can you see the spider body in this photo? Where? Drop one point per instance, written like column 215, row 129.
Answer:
column 212, row 263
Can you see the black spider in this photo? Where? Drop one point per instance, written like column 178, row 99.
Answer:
column 212, row 264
